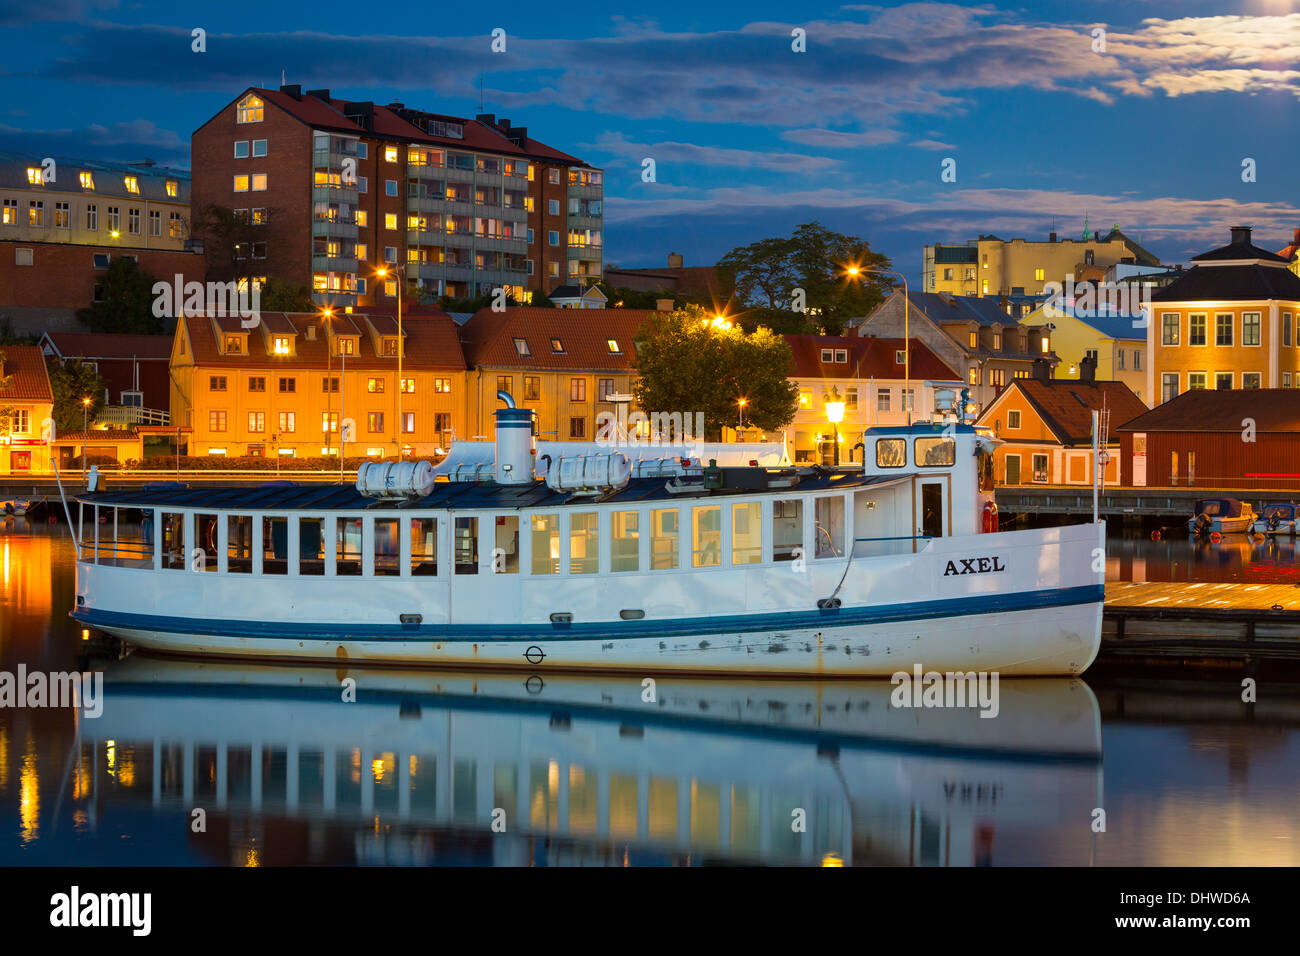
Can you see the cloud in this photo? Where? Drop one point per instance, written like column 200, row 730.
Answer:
column 691, row 154
column 133, row 140
column 834, row 139
column 932, row 144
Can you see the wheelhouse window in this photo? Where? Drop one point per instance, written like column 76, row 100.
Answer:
column 387, row 548
column 466, row 545
column 173, row 541
column 935, row 452
column 424, row 547
column 583, row 553
column 746, row 533
column 239, row 544
column 205, row 533
column 624, row 541
column 505, row 556
column 829, row 514
column 663, row 539
column 706, row 543
column 311, row 546
column 891, row 452
column 348, row 547
column 546, row 544
column 787, row 529
column 275, row 545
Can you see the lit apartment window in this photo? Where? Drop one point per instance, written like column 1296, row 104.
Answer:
column 361, row 217
column 375, row 385
column 87, row 180
column 36, row 213
column 288, row 421
column 259, row 182
column 390, row 220
column 521, row 347
column 390, row 154
column 249, row 110
column 408, row 386
column 613, row 346
column 1040, row 274
column 390, row 287
column 281, row 345
column 62, row 215
column 132, row 184
column 9, row 213
column 974, row 340
column 34, row 176
column 241, row 184
column 171, row 188
column 553, row 175
column 442, row 386
column 174, row 225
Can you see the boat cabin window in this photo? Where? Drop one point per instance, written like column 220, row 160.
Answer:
column 311, row 546
column 505, row 554
column 787, row 529
column 348, row 547
column 546, row 544
column 424, row 547
column 706, row 546
column 239, row 544
column 829, row 512
column 205, row 532
column 891, row 452
column 583, row 554
column 747, row 533
column 624, row 541
column 663, row 539
column 173, row 541
column 935, row 452
column 986, row 470
column 388, row 550
column 275, row 545
column 466, row 545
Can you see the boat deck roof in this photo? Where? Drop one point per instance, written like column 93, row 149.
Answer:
column 460, row 495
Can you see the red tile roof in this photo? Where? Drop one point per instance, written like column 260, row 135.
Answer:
column 584, row 334
column 867, row 358
column 99, row 345
column 431, row 343
column 1208, row 410
column 24, row 367
column 1066, row 405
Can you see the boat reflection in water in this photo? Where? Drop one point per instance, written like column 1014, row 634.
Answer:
column 588, row 770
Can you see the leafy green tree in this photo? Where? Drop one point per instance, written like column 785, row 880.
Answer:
column 280, row 296
column 228, row 238
column 126, row 302
column 687, row 362
column 72, row 382
column 816, row 260
column 6, row 411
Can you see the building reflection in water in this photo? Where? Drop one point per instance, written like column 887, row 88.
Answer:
column 446, row 768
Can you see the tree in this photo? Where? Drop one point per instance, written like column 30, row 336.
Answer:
column 229, row 237
column 6, row 411
column 688, row 362
column 280, row 296
column 125, row 303
column 72, row 382
column 815, row 260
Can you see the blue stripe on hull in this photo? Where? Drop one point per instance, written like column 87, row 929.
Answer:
column 596, row 631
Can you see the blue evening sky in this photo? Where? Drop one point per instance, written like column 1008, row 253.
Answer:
column 749, row 138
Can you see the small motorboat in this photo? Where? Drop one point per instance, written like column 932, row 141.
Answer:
column 15, row 508
column 1224, row 515
column 1276, row 518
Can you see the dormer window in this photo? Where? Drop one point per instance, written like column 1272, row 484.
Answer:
column 234, row 345
column 249, row 110
column 87, row 180
column 521, row 347
column 346, row 346
column 390, row 346
column 613, row 347
column 557, row 346
column 828, row 356
column 171, row 188
column 132, row 185
column 900, row 357
column 280, row 344
column 997, row 341
column 842, row 356
column 34, row 177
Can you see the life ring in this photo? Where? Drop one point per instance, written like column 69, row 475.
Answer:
column 1155, row 535
column 1216, row 537
column 990, row 519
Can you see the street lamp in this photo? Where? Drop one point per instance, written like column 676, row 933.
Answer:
column 855, row 272
column 834, row 414
column 740, row 416
column 383, row 271
column 325, row 313
column 85, row 434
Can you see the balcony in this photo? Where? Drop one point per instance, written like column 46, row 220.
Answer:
column 333, row 229
column 578, row 191
column 327, row 263
column 578, row 221
column 116, row 416
column 589, row 253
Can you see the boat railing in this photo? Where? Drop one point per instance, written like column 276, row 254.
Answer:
column 125, row 552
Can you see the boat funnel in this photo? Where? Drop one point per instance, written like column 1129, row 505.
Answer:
column 516, row 442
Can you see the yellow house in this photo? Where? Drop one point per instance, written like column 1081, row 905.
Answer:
column 1045, row 427
column 570, row 365
column 1117, row 343
column 26, row 411
column 290, row 384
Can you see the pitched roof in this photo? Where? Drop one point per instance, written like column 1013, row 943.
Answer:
column 24, row 366
column 103, row 345
column 942, row 307
column 1066, row 405
column 1208, row 410
column 867, row 358
column 583, row 333
column 432, row 342
column 1241, row 283
column 108, row 177
column 1143, row 256
column 1241, row 247
column 1292, row 249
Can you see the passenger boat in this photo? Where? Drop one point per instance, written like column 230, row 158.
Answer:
column 603, row 562
column 1224, row 515
column 1276, row 518
column 432, row 766
column 14, row 507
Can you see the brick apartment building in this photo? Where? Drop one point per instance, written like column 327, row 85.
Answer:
column 338, row 189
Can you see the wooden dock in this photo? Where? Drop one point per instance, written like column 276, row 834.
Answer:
column 1201, row 623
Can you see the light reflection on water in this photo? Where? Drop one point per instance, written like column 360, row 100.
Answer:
column 582, row 770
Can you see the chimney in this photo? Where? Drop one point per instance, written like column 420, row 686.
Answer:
column 1088, row 370
column 292, row 89
column 487, row 119
column 1241, row 235
column 311, row 333
column 319, row 94
column 503, row 124
column 1051, row 237
column 1042, row 370
column 674, row 260
column 663, row 305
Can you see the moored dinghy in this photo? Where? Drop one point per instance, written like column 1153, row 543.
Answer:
column 1276, row 518
column 1224, row 515
column 865, row 570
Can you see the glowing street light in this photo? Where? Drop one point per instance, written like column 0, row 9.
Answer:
column 854, row 271
column 85, row 434
column 834, row 414
column 740, row 416
column 383, row 271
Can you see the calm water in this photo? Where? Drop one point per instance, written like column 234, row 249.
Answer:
column 585, row 771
